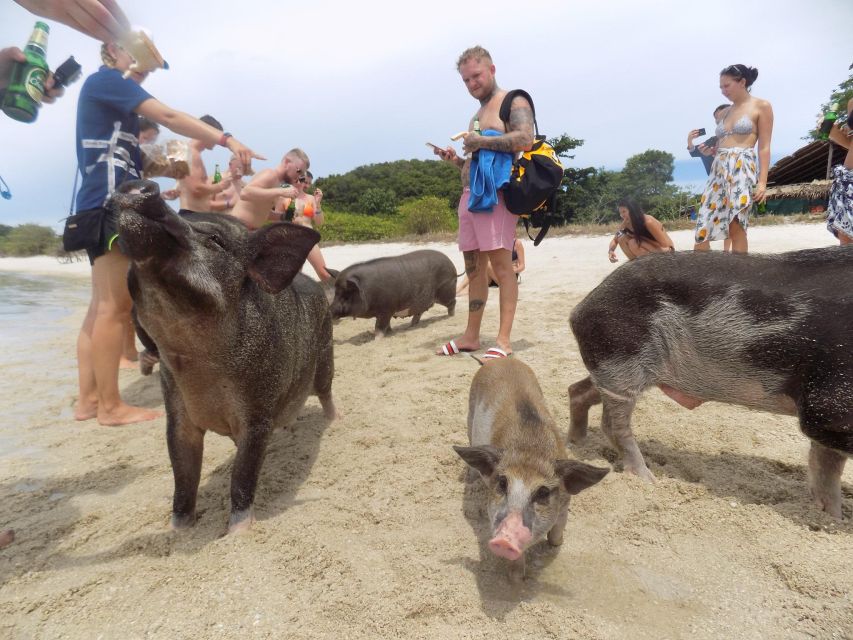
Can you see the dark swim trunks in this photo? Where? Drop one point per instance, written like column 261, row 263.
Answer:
column 108, row 233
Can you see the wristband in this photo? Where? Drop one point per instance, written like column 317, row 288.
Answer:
column 223, row 140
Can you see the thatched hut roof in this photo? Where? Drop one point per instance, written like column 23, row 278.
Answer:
column 805, row 164
column 815, row 190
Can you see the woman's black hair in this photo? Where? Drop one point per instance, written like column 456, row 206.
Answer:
column 738, row 71
column 637, row 217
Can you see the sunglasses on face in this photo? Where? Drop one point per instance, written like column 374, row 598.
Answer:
column 302, row 179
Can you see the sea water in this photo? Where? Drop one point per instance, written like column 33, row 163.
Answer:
column 35, row 312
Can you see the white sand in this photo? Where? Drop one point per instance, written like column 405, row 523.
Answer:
column 365, row 527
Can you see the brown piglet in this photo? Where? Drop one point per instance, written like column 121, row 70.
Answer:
column 521, row 457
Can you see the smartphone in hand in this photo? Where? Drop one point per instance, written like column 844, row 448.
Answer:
column 435, row 147
column 700, row 132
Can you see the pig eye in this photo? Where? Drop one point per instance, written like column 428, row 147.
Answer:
column 542, row 495
column 502, row 484
column 215, row 239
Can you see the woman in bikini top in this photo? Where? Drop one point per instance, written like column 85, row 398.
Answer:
column 743, row 127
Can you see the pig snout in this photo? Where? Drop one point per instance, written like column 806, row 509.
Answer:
column 511, row 538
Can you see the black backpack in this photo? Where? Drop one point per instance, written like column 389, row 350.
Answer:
column 532, row 190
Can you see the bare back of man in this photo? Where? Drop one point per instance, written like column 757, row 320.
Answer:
column 254, row 212
column 258, row 198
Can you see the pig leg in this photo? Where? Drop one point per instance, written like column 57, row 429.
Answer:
column 825, row 468
column 325, row 373
column 415, row 319
column 555, row 535
column 582, row 395
column 383, row 326
column 244, row 478
column 516, row 569
column 446, row 296
column 186, row 446
column 616, row 424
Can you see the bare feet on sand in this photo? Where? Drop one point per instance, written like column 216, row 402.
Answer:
column 7, row 537
column 127, row 414
column 86, row 410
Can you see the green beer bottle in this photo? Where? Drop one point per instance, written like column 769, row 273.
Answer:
column 26, row 86
column 217, row 176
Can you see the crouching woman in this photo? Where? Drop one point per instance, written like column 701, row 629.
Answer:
column 639, row 234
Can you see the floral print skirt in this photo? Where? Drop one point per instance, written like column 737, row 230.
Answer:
column 839, row 213
column 728, row 193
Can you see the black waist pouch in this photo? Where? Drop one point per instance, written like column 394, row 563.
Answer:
column 82, row 230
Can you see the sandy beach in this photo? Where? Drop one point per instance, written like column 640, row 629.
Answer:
column 366, row 528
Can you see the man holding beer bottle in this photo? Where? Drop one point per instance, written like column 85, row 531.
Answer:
column 108, row 155
column 195, row 189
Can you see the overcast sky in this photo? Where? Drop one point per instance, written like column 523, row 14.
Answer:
column 355, row 83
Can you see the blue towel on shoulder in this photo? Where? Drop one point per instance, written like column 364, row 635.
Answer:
column 490, row 171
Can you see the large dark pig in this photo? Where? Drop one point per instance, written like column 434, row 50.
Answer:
column 520, row 455
column 397, row 286
column 243, row 337
column 769, row 332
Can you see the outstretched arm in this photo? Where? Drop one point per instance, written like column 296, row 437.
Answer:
column 186, row 125
column 101, row 19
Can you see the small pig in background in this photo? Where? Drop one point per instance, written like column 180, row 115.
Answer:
column 395, row 287
column 522, row 459
column 243, row 337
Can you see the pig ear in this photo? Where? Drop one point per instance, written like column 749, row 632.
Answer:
column 277, row 253
column 354, row 284
column 484, row 458
column 577, row 476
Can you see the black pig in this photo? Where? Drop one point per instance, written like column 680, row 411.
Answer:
column 395, row 287
column 769, row 332
column 243, row 337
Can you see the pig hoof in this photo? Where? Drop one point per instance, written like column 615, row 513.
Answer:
column 516, row 572
column 577, row 434
column 555, row 539
column 147, row 360
column 330, row 412
column 241, row 521
column 642, row 473
column 828, row 504
column 182, row 521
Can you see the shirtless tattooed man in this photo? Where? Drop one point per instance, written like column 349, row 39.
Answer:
column 487, row 237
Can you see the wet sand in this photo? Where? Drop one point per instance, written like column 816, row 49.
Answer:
column 366, row 528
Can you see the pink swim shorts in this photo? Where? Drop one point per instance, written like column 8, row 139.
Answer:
column 485, row 231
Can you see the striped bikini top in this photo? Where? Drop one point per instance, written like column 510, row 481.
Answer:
column 742, row 127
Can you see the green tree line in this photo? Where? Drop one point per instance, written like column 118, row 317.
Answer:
column 29, row 240
column 587, row 194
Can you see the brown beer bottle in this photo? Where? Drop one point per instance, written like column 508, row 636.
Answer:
column 26, row 86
